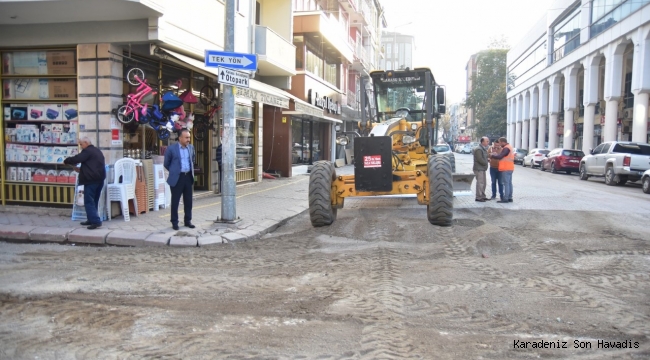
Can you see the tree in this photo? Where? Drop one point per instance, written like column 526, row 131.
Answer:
column 488, row 97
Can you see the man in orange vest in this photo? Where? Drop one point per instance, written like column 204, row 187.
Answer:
column 506, row 167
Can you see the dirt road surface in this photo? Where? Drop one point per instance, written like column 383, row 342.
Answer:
column 378, row 284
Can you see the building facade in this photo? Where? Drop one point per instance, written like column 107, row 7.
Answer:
column 471, row 70
column 74, row 56
column 398, row 49
column 336, row 43
column 581, row 76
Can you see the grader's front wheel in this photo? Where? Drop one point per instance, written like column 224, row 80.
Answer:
column 321, row 211
column 441, row 193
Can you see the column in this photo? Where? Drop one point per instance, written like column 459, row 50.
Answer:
column 613, row 86
column 554, row 108
column 534, row 103
column 640, row 87
column 525, row 124
column 508, row 119
column 590, row 99
column 525, row 129
column 520, row 105
column 100, row 77
column 543, row 114
column 570, row 103
column 513, row 131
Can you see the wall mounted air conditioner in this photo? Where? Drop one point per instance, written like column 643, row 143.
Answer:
column 629, row 113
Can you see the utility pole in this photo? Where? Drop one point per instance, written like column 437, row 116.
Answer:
column 228, row 190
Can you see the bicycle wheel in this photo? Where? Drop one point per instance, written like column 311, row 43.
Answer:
column 130, row 76
column 125, row 114
column 206, row 95
column 199, row 131
column 163, row 133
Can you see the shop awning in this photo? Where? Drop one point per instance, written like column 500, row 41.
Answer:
column 304, row 108
column 258, row 91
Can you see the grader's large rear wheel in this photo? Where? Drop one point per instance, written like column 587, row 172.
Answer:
column 441, row 193
column 321, row 211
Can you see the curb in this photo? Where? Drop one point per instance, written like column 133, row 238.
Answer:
column 106, row 237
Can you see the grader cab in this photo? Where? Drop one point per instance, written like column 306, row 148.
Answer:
column 395, row 154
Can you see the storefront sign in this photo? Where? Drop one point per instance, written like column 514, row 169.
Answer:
column 372, row 161
column 263, row 97
column 232, row 77
column 116, row 137
column 308, row 110
column 325, row 103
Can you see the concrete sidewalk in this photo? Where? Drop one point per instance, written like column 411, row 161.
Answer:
column 261, row 208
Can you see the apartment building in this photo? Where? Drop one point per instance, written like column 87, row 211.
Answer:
column 581, row 76
column 398, row 49
column 471, row 70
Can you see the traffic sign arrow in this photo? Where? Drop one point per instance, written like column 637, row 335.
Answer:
column 238, row 61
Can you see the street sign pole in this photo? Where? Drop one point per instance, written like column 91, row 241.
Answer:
column 228, row 194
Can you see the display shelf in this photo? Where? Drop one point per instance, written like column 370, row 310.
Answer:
column 40, row 121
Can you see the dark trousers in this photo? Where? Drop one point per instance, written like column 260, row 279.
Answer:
column 495, row 176
column 92, row 193
column 220, row 178
column 183, row 187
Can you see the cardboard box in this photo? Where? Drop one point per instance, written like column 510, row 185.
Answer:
column 46, row 133
column 61, row 89
column 26, row 88
column 61, row 60
column 24, row 63
column 36, row 112
column 18, row 112
column 13, row 173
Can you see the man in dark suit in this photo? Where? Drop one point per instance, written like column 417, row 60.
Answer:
column 179, row 161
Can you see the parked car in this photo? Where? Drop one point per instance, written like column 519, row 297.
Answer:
column 534, row 157
column 645, row 181
column 618, row 161
column 562, row 160
column 519, row 155
column 466, row 149
column 445, row 149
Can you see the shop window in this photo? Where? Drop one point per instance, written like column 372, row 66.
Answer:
column 244, row 136
column 628, row 96
column 607, row 13
column 314, row 64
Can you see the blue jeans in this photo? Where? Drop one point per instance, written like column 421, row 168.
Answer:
column 495, row 175
column 506, row 184
column 91, row 202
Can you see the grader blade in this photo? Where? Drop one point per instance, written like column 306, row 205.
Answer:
column 463, row 184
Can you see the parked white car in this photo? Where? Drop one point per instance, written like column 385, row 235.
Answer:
column 534, row 157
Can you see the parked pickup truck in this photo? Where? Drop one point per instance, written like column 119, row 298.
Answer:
column 618, row 161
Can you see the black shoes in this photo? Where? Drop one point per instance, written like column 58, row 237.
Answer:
column 486, row 199
column 503, row 201
column 510, row 200
column 94, row 226
column 480, row 200
column 190, row 225
column 85, row 223
column 175, row 227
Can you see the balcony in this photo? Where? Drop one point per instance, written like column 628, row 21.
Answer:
column 360, row 63
column 276, row 56
column 352, row 99
column 317, row 22
column 362, row 17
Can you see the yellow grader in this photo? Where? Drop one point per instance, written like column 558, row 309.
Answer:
column 395, row 154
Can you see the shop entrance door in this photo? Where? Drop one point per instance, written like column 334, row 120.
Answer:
column 201, row 168
column 306, row 141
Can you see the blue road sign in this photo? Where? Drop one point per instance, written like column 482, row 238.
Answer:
column 231, row 60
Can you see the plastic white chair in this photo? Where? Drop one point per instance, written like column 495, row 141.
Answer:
column 125, row 190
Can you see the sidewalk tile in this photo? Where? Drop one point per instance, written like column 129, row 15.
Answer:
column 234, row 236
